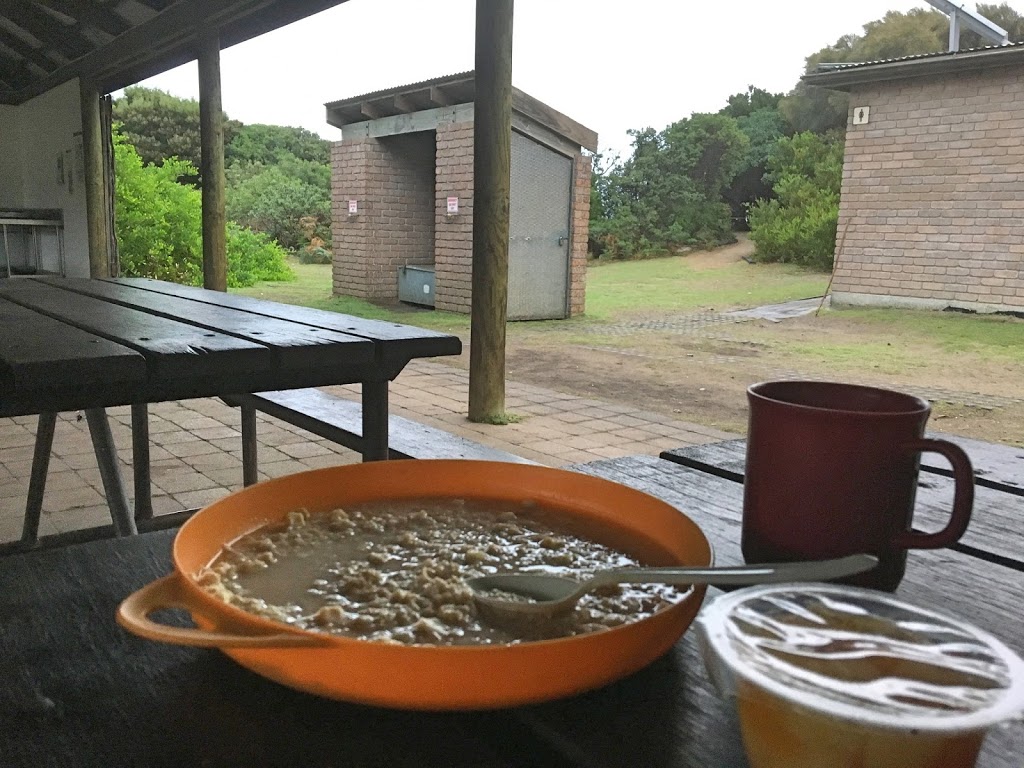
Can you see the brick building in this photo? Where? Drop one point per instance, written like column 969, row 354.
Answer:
column 933, row 181
column 402, row 191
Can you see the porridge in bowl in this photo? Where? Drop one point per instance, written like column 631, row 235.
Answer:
column 395, row 571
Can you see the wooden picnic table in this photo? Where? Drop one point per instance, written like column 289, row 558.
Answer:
column 79, row 690
column 80, row 344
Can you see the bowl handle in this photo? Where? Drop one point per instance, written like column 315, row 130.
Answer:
column 168, row 592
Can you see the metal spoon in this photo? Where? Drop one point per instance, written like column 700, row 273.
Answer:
column 539, row 595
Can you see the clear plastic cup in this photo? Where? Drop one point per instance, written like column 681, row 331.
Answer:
column 829, row 675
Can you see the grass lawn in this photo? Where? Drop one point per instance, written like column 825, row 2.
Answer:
column 312, row 288
column 882, row 339
column 669, row 285
column 678, row 285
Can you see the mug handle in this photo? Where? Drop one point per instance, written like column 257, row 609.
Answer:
column 963, row 497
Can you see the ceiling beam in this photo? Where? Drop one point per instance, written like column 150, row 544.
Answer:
column 89, row 13
column 17, row 74
column 156, row 5
column 404, row 104
column 45, row 28
column 439, row 97
column 175, row 27
column 23, row 49
column 370, row 110
column 561, row 124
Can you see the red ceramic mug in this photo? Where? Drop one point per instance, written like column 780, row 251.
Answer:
column 832, row 471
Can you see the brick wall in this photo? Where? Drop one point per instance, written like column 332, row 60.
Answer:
column 393, row 180
column 351, row 164
column 933, row 194
column 402, row 184
column 580, row 218
column 453, row 242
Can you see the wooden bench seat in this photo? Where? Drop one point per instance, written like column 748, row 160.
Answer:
column 340, row 421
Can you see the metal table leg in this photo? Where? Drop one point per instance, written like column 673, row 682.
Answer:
column 37, row 482
column 375, row 420
column 113, row 485
column 140, row 461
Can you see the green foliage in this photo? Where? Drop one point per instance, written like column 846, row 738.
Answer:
column 799, row 226
column 158, row 223
column 1001, row 14
column 669, row 193
column 317, row 255
column 279, row 177
column 741, row 105
column 254, row 257
column 274, row 144
column 161, row 126
column 763, row 129
column 282, row 203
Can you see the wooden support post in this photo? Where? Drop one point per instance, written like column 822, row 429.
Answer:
column 97, row 219
column 211, row 128
column 492, row 145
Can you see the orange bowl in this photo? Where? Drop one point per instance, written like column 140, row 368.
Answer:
column 425, row 677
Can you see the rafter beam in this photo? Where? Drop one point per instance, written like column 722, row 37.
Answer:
column 17, row 74
column 89, row 13
column 45, row 28
column 23, row 49
column 439, row 97
column 405, row 104
column 366, row 109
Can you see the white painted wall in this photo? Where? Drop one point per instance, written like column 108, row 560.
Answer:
column 10, row 157
column 51, row 128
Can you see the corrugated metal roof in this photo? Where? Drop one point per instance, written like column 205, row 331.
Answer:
column 845, row 76
column 434, row 81
column 827, row 67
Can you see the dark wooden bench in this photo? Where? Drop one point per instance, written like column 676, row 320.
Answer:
column 340, row 421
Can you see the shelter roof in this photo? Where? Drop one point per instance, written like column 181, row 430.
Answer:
column 448, row 91
column 843, row 76
column 115, row 43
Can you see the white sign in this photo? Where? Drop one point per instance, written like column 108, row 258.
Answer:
column 861, row 115
column 453, row 205
column 353, row 206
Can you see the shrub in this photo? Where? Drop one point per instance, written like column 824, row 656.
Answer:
column 158, row 223
column 799, row 226
column 252, row 257
column 281, row 201
column 316, row 255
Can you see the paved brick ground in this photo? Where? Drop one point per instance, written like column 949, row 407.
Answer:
column 196, row 444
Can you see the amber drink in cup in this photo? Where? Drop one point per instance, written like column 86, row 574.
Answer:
column 829, row 675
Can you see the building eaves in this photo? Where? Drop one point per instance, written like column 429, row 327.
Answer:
column 448, row 91
column 842, row 77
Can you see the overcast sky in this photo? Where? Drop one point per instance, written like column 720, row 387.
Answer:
column 610, row 65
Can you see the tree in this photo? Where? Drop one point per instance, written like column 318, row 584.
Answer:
column 1001, row 14
column 741, row 105
column 799, row 226
column 763, row 128
column 669, row 192
column 273, row 144
column 161, row 126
